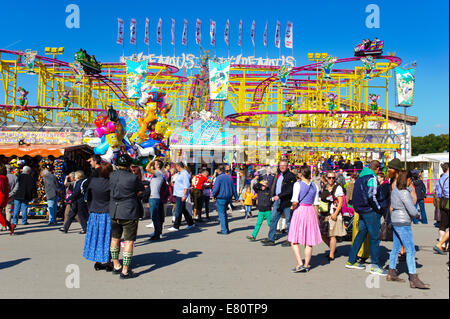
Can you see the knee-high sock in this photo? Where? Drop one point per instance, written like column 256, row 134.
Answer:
column 114, row 253
column 127, row 258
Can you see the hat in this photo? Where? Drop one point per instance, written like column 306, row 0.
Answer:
column 265, row 183
column 124, row 160
column 395, row 164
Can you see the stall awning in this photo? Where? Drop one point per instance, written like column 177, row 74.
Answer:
column 43, row 150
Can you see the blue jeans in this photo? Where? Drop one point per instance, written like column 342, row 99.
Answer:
column 20, row 206
column 423, row 213
column 276, row 215
column 222, row 205
column 403, row 236
column 206, row 199
column 52, row 207
column 180, row 209
column 368, row 223
column 248, row 210
column 157, row 215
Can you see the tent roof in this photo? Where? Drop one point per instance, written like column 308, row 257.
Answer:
column 43, row 150
column 432, row 157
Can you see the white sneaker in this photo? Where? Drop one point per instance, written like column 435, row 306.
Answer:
column 172, row 229
column 151, row 235
column 190, row 227
column 150, row 225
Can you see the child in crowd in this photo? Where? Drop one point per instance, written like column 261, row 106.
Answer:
column 264, row 206
column 248, row 197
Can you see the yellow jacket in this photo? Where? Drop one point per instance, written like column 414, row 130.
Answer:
column 248, row 198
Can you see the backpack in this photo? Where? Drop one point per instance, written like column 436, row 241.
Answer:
column 164, row 193
column 84, row 187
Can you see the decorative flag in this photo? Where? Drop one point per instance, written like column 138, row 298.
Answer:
column 173, row 31
column 227, row 33
column 147, row 37
column 240, row 33
column 252, row 33
column 277, row 35
column 289, row 37
column 119, row 31
column 198, row 32
column 265, row 35
column 212, row 32
column 159, row 32
column 133, row 31
column 185, row 34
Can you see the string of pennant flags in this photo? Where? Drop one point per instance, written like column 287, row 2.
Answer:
column 288, row 37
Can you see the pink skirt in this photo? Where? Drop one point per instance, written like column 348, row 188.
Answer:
column 304, row 227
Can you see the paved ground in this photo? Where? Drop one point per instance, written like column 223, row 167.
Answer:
column 201, row 264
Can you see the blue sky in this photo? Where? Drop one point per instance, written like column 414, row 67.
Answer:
column 415, row 30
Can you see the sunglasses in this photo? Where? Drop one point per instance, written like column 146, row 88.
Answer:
column 331, row 177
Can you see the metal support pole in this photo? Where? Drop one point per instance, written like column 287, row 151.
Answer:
column 404, row 121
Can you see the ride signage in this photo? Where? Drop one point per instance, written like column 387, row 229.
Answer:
column 190, row 61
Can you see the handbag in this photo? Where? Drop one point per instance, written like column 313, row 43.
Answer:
column 386, row 232
column 443, row 202
column 323, row 207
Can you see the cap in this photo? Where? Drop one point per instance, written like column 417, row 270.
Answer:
column 395, row 164
column 124, row 160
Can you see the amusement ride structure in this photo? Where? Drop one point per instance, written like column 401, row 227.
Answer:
column 327, row 106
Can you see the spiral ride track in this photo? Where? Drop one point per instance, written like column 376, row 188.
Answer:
column 90, row 96
column 259, row 100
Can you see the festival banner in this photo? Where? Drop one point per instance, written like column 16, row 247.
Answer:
column 289, row 36
column 173, row 32
column 240, row 33
column 252, row 33
column 227, row 33
column 35, row 138
column 119, row 31
column 404, row 85
column 218, row 80
column 147, row 37
column 135, row 78
column 29, row 58
column 278, row 35
column 133, row 31
column 198, row 32
column 212, row 32
column 185, row 33
column 265, row 35
column 159, row 32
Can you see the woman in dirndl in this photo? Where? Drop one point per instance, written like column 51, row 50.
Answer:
column 98, row 233
column 304, row 228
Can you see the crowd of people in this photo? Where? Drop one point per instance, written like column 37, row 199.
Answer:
column 309, row 205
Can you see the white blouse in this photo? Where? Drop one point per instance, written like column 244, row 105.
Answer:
column 296, row 193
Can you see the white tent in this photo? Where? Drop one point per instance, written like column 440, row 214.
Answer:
column 426, row 162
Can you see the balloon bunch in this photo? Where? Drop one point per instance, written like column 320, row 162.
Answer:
column 110, row 130
column 373, row 103
column 331, row 102
column 23, row 100
column 327, row 66
column 154, row 126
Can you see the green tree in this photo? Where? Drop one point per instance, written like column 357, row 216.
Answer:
column 429, row 144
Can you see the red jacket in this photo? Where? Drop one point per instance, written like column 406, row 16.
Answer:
column 4, row 191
